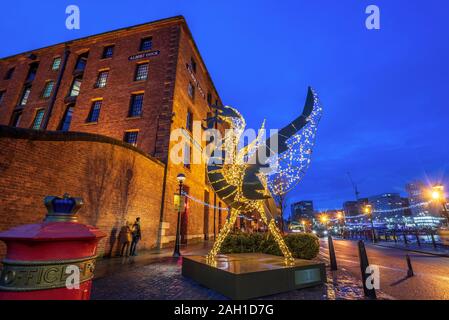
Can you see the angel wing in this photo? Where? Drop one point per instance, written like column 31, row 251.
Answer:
column 295, row 144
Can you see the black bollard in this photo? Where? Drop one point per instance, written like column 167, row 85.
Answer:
column 417, row 239
column 409, row 267
column 332, row 257
column 433, row 240
column 394, row 237
column 370, row 293
column 405, row 238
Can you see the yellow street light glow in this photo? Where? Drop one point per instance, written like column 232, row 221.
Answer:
column 323, row 218
column 367, row 209
column 339, row 215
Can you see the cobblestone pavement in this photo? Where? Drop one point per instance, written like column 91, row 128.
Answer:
column 161, row 279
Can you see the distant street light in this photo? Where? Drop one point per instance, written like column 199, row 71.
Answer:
column 176, row 253
column 368, row 210
column 437, row 195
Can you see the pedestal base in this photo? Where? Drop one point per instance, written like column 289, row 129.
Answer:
column 253, row 275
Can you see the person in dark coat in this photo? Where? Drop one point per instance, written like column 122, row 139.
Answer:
column 136, row 236
column 125, row 238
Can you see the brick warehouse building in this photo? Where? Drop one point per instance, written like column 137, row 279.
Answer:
column 134, row 85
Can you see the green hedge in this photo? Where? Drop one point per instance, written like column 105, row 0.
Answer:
column 302, row 245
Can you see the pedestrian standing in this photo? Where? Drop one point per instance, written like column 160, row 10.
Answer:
column 136, row 236
column 125, row 239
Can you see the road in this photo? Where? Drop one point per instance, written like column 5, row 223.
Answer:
column 431, row 280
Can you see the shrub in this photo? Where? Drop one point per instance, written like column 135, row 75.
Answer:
column 302, row 245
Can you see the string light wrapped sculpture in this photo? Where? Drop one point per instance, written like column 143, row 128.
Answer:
column 246, row 178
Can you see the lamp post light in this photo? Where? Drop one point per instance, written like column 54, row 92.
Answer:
column 176, row 253
column 437, row 194
column 369, row 211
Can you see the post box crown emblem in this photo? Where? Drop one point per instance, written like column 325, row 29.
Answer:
column 62, row 209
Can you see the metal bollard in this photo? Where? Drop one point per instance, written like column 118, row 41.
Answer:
column 433, row 240
column 370, row 293
column 332, row 257
column 417, row 239
column 394, row 237
column 405, row 238
column 409, row 267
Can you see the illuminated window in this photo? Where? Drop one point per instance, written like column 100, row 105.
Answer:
column 108, row 52
column 135, row 109
column 189, row 122
column 94, row 113
column 131, row 137
column 76, row 87
column 48, row 89
column 102, row 79
column 146, row 44
column 67, row 119
column 25, row 95
column 191, row 90
column 81, row 62
column 141, row 72
column 38, row 119
column 56, row 64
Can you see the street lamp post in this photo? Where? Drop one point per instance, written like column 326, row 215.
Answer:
column 438, row 195
column 369, row 211
column 176, row 253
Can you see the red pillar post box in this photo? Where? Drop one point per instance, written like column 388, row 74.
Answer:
column 52, row 260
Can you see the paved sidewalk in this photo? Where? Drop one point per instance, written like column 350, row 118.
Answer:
column 157, row 276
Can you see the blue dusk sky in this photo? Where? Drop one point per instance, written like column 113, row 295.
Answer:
column 385, row 92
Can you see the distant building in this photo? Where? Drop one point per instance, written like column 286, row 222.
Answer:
column 418, row 194
column 391, row 203
column 354, row 208
column 406, row 206
column 423, row 212
column 302, row 210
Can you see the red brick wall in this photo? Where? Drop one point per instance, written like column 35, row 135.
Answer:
column 154, row 122
column 117, row 183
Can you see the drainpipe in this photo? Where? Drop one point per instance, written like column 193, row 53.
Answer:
column 56, row 90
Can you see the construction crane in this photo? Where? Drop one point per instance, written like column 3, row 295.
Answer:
column 357, row 193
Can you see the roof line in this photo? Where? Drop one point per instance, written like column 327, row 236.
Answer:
column 165, row 20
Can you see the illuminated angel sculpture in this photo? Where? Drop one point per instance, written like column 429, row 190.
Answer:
column 247, row 178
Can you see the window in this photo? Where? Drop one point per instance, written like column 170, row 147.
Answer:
column 38, row 119
column 94, row 113
column 146, row 44
column 209, row 98
column 48, row 89
column 15, row 118
column 2, row 93
column 10, row 73
column 102, row 79
column 135, row 109
column 25, row 95
column 82, row 62
column 76, row 87
column 108, row 52
column 56, row 64
column 189, row 122
column 32, row 72
column 187, row 155
column 131, row 137
column 191, row 90
column 67, row 119
column 141, row 72
column 193, row 64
